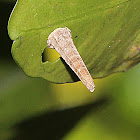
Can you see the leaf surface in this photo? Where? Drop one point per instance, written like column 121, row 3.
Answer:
column 105, row 32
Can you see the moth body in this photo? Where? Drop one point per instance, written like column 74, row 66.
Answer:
column 61, row 40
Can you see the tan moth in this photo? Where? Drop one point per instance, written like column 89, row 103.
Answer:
column 61, row 40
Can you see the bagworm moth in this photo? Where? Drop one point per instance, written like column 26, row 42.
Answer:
column 61, row 40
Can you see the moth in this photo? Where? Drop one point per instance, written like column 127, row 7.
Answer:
column 61, row 40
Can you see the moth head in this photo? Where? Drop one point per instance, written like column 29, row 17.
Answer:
column 50, row 44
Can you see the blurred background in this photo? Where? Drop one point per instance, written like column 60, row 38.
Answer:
column 34, row 109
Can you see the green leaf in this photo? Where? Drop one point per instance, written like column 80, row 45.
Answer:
column 107, row 33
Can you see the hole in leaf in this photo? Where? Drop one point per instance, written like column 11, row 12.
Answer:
column 43, row 57
column 50, row 55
